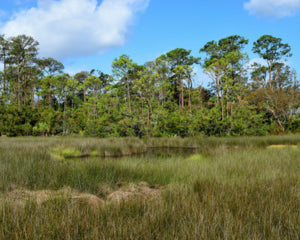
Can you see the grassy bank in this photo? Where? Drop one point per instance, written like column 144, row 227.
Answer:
column 234, row 188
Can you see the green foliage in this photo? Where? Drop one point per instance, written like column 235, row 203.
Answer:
column 91, row 128
column 294, row 126
column 159, row 98
column 271, row 48
column 41, row 129
column 247, row 123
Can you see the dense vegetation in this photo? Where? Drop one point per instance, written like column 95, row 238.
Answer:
column 159, row 98
column 234, row 188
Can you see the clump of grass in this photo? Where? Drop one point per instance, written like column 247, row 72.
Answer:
column 197, row 157
column 94, row 153
column 83, row 147
column 66, row 153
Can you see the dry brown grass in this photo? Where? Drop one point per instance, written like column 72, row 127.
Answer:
column 130, row 192
column 282, row 146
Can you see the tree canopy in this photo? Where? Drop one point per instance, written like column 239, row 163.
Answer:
column 162, row 97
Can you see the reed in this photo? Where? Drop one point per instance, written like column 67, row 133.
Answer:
column 233, row 188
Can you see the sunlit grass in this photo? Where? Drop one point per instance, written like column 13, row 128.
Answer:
column 235, row 188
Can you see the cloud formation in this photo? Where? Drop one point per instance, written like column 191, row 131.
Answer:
column 72, row 28
column 273, row 8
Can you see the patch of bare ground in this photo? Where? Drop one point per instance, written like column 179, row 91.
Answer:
column 139, row 191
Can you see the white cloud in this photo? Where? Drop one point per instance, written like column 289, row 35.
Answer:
column 273, row 8
column 71, row 28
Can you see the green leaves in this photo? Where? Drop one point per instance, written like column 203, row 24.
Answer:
column 152, row 99
column 122, row 65
column 271, row 48
column 224, row 64
column 50, row 66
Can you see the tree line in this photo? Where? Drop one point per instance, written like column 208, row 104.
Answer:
column 158, row 98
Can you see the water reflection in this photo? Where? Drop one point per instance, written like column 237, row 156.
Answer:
column 150, row 153
column 170, row 152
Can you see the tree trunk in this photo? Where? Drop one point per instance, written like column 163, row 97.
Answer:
column 12, row 97
column 218, row 88
column 84, row 95
column 128, row 93
column 18, row 84
column 65, row 104
column 148, row 121
column 190, row 100
column 277, row 119
column 181, row 97
column 24, row 92
column 148, row 118
column 4, row 78
column 32, row 95
column 50, row 96
column 222, row 107
column 227, row 109
column 162, row 94
column 270, row 76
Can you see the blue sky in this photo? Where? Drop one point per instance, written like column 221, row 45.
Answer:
column 89, row 34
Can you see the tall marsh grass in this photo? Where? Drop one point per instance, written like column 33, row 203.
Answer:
column 234, row 188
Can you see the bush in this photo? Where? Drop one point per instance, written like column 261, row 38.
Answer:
column 294, row 126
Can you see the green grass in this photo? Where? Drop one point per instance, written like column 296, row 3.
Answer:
column 234, row 188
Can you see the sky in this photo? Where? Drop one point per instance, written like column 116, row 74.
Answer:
column 90, row 34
